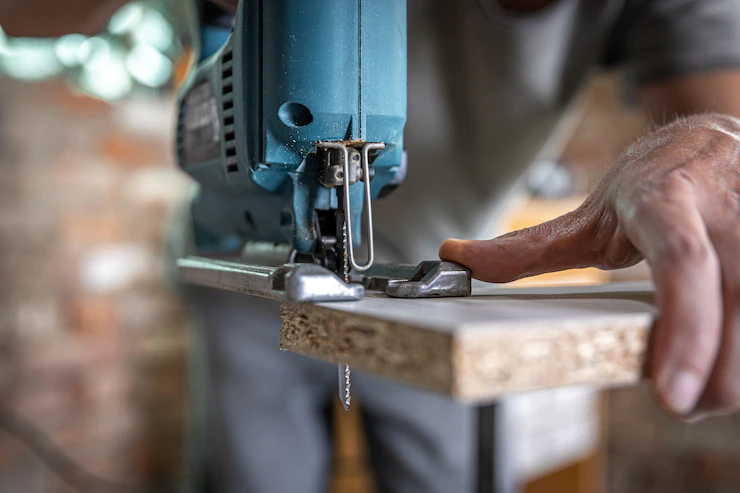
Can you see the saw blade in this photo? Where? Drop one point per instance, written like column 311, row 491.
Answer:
column 344, row 385
column 345, row 254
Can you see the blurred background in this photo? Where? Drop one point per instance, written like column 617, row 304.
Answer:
column 94, row 341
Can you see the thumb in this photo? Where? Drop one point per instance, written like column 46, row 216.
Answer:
column 563, row 243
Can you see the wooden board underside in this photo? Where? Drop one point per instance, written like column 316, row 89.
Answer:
column 496, row 342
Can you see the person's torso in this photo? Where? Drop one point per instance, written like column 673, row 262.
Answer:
column 487, row 90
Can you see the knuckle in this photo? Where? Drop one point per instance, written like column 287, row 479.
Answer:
column 645, row 205
column 539, row 232
column 677, row 182
column 697, row 355
column 686, row 247
column 619, row 257
column 669, row 190
column 730, row 202
column 542, row 231
column 697, row 349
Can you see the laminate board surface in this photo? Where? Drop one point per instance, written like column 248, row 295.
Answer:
column 498, row 341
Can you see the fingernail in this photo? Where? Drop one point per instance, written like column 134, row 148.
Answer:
column 449, row 247
column 682, row 392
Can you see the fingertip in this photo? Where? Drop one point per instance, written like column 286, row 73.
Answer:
column 451, row 249
column 679, row 391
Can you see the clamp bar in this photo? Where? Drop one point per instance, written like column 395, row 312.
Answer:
column 288, row 282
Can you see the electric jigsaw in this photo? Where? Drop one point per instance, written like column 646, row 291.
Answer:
column 292, row 123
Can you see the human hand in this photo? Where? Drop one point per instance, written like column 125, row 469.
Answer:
column 673, row 198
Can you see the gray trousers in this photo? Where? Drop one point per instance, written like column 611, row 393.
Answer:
column 266, row 427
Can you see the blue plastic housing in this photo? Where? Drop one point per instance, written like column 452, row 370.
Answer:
column 292, row 73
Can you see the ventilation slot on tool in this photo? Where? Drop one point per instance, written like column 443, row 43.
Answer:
column 227, row 112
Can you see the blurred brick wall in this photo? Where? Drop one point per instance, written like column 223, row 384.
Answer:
column 92, row 342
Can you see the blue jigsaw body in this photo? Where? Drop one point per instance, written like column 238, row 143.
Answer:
column 290, row 74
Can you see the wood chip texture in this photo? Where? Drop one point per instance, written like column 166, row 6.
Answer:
column 494, row 343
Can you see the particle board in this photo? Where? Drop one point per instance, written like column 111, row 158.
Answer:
column 496, row 342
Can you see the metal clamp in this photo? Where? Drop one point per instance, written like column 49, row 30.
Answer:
column 288, row 282
column 432, row 280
